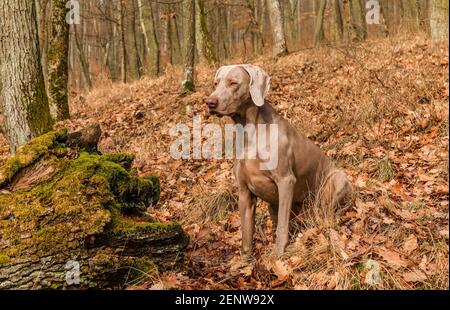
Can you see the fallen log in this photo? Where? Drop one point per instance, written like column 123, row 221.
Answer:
column 72, row 218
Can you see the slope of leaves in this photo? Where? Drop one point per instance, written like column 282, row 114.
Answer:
column 379, row 109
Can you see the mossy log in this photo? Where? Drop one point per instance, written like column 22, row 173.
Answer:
column 72, row 218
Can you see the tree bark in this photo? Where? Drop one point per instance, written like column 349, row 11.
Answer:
column 155, row 40
column 188, row 84
column 358, row 21
column 42, row 8
column 82, row 58
column 58, row 70
column 338, row 23
column 207, row 46
column 276, row 19
column 411, row 14
column 439, row 19
column 144, row 27
column 384, row 18
column 134, row 36
column 124, row 54
column 25, row 102
column 111, row 52
column 319, row 34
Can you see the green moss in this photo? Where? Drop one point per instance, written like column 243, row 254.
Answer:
column 83, row 196
column 123, row 226
column 142, row 269
column 38, row 111
column 28, row 154
column 123, row 159
column 187, row 87
column 84, row 205
column 4, row 258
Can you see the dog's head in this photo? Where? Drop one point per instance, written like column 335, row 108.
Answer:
column 235, row 85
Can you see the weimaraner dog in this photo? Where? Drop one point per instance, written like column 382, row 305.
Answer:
column 303, row 171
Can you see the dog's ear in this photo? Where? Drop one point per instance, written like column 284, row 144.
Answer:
column 259, row 83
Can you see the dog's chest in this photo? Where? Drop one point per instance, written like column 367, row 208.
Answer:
column 258, row 181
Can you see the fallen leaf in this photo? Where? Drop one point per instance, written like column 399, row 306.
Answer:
column 414, row 276
column 392, row 258
column 410, row 244
column 281, row 270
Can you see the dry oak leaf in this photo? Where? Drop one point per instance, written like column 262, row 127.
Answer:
column 281, row 270
column 414, row 276
column 392, row 258
column 410, row 244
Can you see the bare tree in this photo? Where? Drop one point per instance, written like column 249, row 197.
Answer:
column 188, row 84
column 207, row 46
column 276, row 19
column 358, row 21
column 337, row 22
column 124, row 55
column 25, row 102
column 82, row 58
column 135, row 46
column 411, row 14
column 319, row 34
column 439, row 19
column 58, row 70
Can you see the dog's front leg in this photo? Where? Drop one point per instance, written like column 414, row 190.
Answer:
column 285, row 186
column 247, row 212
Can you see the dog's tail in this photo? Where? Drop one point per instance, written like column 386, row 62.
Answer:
column 335, row 192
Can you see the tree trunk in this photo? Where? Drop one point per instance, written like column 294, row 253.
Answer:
column 338, row 24
column 358, row 21
column 175, row 35
column 85, row 224
column 439, row 19
column 198, row 35
column 82, row 57
column 42, row 8
column 143, row 21
column 319, row 34
column 384, row 18
column 223, row 31
column 411, row 14
column 289, row 24
column 134, row 37
column 276, row 19
column 255, row 9
column 111, row 46
column 124, row 54
column 207, row 47
column 25, row 102
column 166, row 40
column 58, row 70
column 155, row 40
column 188, row 84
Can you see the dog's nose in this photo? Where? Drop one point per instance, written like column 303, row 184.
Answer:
column 212, row 102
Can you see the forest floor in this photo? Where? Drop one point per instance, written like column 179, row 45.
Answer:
column 379, row 109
